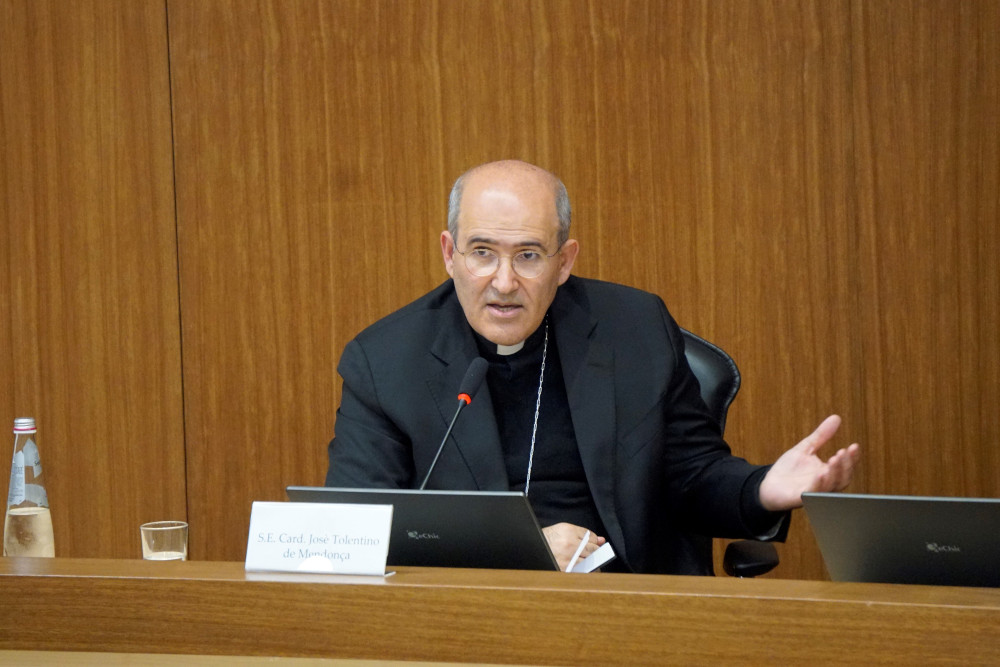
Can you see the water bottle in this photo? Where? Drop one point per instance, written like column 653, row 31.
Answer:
column 27, row 528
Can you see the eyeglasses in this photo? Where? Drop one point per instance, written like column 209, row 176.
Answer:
column 484, row 262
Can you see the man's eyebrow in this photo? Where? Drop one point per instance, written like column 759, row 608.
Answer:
column 488, row 241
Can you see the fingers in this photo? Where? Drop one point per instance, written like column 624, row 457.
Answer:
column 839, row 470
column 842, row 467
column 826, row 430
column 564, row 539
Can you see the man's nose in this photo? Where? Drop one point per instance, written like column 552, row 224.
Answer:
column 505, row 279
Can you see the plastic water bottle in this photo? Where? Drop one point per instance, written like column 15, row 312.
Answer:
column 27, row 529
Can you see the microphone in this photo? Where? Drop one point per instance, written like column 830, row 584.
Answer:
column 473, row 379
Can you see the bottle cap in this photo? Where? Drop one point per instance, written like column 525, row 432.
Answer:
column 24, row 425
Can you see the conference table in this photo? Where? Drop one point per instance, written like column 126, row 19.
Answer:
column 63, row 608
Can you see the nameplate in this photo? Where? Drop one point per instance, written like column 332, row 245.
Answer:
column 318, row 538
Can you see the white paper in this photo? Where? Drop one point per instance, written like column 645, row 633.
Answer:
column 318, row 538
column 604, row 554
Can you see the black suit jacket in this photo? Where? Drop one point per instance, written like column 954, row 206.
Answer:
column 655, row 461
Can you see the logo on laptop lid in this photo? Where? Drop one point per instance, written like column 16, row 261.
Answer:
column 417, row 535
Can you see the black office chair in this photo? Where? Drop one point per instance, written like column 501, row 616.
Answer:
column 720, row 381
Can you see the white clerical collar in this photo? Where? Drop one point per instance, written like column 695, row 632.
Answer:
column 507, row 350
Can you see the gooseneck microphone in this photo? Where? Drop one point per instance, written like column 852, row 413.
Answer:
column 473, row 379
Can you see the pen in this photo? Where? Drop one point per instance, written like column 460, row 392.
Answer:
column 579, row 550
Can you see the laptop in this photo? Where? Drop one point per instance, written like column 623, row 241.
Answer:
column 489, row 529
column 907, row 539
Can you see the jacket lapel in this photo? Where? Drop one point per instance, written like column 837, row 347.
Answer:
column 588, row 371
column 475, row 436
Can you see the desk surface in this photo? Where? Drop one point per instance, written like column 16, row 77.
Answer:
column 485, row 616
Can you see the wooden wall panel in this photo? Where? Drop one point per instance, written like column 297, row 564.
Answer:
column 927, row 118
column 812, row 185
column 747, row 226
column 89, row 343
column 308, row 204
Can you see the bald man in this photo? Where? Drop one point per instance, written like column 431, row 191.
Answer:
column 589, row 407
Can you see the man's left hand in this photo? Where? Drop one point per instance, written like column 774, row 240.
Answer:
column 799, row 470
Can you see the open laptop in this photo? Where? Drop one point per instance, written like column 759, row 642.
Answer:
column 491, row 529
column 907, row 539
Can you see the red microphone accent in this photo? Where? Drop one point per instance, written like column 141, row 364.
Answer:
column 465, row 397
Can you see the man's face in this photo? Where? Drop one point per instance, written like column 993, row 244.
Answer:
column 507, row 214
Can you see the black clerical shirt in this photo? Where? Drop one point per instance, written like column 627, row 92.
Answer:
column 558, row 489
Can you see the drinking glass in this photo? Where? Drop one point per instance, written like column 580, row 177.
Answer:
column 164, row 540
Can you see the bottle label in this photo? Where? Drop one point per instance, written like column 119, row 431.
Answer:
column 31, row 457
column 16, row 495
column 36, row 493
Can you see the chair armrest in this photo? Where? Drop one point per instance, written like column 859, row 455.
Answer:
column 749, row 558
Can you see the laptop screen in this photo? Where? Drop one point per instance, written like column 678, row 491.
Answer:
column 490, row 529
column 907, row 539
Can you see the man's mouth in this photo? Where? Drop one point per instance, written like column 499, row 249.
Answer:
column 503, row 308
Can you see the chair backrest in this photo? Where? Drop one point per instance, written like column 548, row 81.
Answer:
column 716, row 372
column 720, row 380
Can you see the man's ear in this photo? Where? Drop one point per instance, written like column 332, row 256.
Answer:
column 448, row 252
column 567, row 255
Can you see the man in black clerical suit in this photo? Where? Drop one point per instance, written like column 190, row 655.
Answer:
column 589, row 404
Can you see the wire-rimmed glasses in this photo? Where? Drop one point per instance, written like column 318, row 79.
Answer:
column 482, row 262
